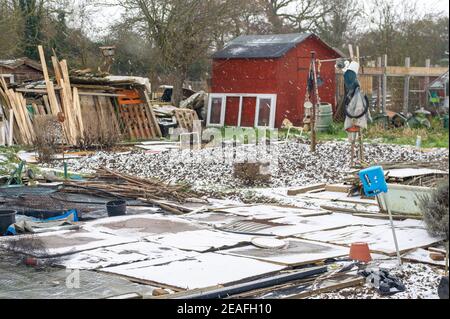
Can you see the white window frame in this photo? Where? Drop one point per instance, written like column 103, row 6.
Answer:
column 241, row 96
column 9, row 76
column 222, row 110
column 273, row 103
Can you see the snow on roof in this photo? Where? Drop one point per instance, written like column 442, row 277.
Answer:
column 261, row 46
column 13, row 64
column 440, row 82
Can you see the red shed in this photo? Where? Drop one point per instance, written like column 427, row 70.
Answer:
column 261, row 80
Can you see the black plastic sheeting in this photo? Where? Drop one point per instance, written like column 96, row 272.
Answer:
column 40, row 201
column 16, row 191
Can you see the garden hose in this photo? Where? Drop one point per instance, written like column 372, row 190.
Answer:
column 358, row 116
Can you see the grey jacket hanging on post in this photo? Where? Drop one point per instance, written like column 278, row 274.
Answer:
column 356, row 103
column 356, row 112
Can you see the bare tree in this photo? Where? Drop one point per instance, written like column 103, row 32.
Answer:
column 343, row 17
column 275, row 11
column 306, row 13
column 180, row 29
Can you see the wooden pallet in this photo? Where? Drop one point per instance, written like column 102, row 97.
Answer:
column 186, row 118
column 139, row 123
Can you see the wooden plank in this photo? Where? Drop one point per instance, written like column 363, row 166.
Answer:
column 150, row 123
column 126, row 121
column 77, row 109
column 41, row 109
column 2, row 132
column 401, row 71
column 69, row 123
column 386, row 217
column 142, row 121
column 338, row 188
column 350, row 50
column 11, row 127
column 100, row 113
column 111, row 111
column 57, row 70
column 134, row 121
column 406, row 88
column 99, row 94
column 27, row 117
column 23, row 118
column 139, row 123
column 305, row 189
column 21, row 133
column 17, row 117
column 152, row 113
column 50, row 87
column 46, row 104
column 66, row 78
column 35, row 109
column 21, row 122
column 437, row 250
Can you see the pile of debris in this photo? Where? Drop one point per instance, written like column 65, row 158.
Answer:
column 129, row 187
column 93, row 108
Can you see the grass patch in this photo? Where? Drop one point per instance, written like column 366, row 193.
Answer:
column 8, row 159
column 437, row 136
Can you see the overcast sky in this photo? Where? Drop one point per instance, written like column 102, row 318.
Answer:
column 105, row 16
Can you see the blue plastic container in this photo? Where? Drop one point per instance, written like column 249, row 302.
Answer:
column 374, row 181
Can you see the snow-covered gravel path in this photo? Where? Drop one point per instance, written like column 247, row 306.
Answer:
column 292, row 163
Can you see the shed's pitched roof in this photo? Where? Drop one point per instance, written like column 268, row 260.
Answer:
column 440, row 82
column 14, row 64
column 261, row 46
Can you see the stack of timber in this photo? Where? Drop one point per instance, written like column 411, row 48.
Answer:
column 57, row 100
column 70, row 102
column 17, row 115
column 137, row 115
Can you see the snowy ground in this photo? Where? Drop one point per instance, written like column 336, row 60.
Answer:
column 292, row 164
column 421, row 282
column 211, row 171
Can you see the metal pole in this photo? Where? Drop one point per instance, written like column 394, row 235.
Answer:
column 317, row 102
column 399, row 260
column 427, row 81
column 406, row 89
column 380, row 87
column 313, row 117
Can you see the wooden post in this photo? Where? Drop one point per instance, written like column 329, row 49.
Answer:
column 406, row 89
column 358, row 57
column 2, row 132
column 379, row 86
column 316, row 102
column 50, row 87
column 11, row 127
column 350, row 51
column 384, row 106
column 426, row 82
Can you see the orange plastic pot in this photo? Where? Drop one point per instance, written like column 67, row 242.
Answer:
column 360, row 252
column 354, row 129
